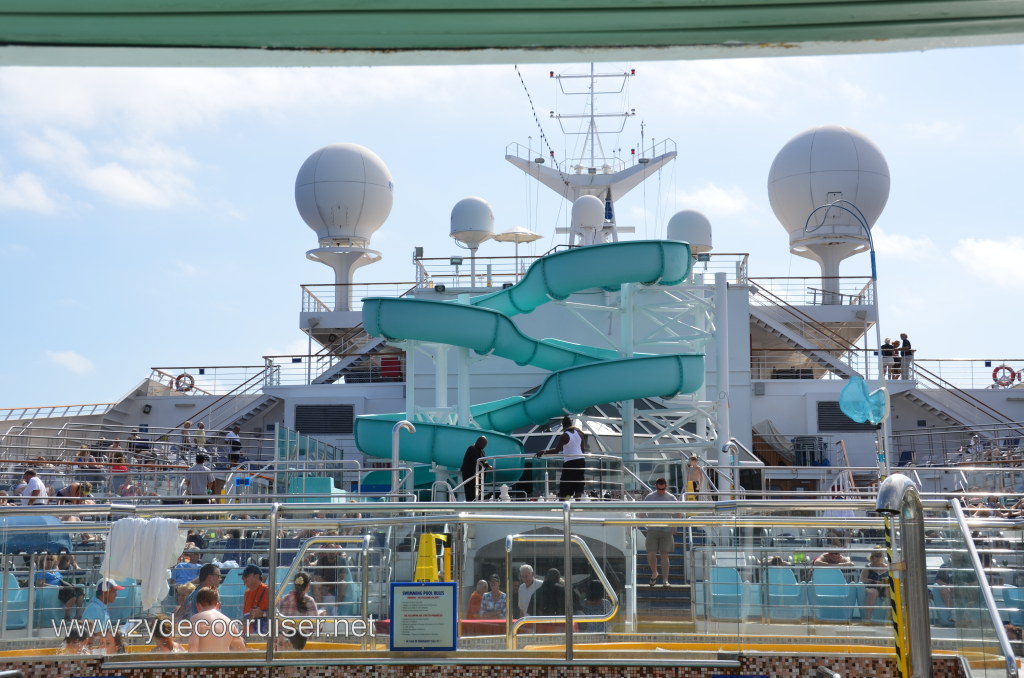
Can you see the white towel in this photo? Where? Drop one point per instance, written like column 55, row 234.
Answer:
column 143, row 549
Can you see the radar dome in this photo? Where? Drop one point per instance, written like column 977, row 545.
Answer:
column 821, row 166
column 588, row 212
column 344, row 192
column 472, row 221
column 693, row 227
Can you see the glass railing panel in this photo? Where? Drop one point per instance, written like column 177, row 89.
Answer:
column 960, row 617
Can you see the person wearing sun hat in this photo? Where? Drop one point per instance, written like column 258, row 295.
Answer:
column 74, row 493
column 98, row 608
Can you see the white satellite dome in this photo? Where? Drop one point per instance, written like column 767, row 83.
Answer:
column 693, row 227
column 820, row 183
column 472, row 222
column 588, row 212
column 344, row 192
column 821, row 166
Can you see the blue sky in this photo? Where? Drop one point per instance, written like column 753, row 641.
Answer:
column 147, row 216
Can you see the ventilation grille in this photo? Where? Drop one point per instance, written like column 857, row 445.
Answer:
column 336, row 419
column 831, row 418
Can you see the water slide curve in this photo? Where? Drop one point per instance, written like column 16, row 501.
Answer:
column 581, row 376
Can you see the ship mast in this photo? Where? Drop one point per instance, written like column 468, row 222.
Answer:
column 593, row 172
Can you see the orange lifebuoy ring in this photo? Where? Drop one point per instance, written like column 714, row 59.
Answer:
column 1004, row 376
column 184, row 382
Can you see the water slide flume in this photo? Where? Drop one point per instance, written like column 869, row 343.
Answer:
column 582, row 376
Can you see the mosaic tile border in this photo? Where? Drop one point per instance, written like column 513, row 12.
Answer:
column 770, row 665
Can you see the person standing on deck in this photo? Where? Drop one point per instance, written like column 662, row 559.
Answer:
column 234, row 441
column 694, row 479
column 906, row 357
column 660, row 538
column 888, row 358
column 570, row 446
column 474, row 453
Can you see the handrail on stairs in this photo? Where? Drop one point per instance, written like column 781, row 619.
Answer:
column 936, row 381
column 781, row 303
column 246, row 387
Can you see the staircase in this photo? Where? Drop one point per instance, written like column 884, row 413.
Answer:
column 664, row 608
column 792, row 337
column 351, row 358
column 245, row 408
column 953, row 405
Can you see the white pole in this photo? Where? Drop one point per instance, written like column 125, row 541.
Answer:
column 441, row 376
column 626, row 351
column 722, row 366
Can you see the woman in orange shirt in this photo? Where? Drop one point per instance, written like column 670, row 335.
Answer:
column 475, row 600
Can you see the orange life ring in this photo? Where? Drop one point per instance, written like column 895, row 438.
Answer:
column 1004, row 376
column 184, row 382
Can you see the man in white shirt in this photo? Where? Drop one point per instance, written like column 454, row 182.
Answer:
column 34, row 491
column 234, row 442
column 527, row 588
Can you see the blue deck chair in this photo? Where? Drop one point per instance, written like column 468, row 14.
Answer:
column 830, row 596
column 1013, row 599
column 16, row 599
column 785, row 595
column 725, row 594
column 232, row 593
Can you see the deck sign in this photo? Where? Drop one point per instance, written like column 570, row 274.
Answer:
column 424, row 616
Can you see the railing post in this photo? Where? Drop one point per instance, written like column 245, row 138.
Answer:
column 567, row 569
column 272, row 581
column 7, row 593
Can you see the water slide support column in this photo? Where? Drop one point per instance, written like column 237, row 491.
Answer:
column 410, row 380
column 725, row 474
column 463, row 378
column 626, row 351
column 440, row 398
column 463, row 387
column 441, row 376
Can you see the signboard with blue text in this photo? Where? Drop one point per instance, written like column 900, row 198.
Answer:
column 424, row 616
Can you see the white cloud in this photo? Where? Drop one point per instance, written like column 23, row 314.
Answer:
column 902, row 246
column 714, row 201
column 25, row 191
column 935, row 130
column 75, row 362
column 160, row 101
column 992, row 260
column 298, row 346
column 152, row 174
column 186, row 270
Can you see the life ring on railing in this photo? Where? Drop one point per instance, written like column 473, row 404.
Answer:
column 1004, row 376
column 184, row 382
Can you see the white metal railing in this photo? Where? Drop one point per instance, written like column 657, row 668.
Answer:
column 597, row 165
column 53, row 411
column 361, row 546
column 323, row 297
column 805, row 291
column 190, row 380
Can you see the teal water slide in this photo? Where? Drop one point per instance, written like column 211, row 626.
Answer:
column 581, row 376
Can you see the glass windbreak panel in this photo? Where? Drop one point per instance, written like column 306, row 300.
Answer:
column 960, row 619
column 802, row 573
